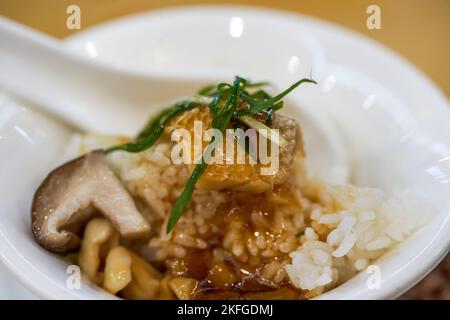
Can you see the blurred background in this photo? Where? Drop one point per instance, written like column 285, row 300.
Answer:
column 419, row 30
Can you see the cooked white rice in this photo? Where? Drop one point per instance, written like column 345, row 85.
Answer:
column 343, row 235
column 354, row 237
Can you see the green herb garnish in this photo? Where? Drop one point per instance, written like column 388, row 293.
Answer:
column 241, row 102
column 154, row 128
column 221, row 117
column 264, row 130
column 260, row 105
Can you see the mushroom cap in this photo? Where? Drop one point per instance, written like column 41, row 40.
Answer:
column 68, row 195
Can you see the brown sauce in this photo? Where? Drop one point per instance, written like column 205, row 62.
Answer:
column 226, row 277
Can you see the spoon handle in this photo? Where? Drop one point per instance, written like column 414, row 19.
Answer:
column 81, row 91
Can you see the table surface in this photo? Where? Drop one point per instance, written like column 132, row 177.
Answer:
column 417, row 29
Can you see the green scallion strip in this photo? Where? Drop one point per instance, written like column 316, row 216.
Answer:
column 185, row 196
column 222, row 100
column 150, row 134
column 268, row 133
column 256, row 106
column 220, row 121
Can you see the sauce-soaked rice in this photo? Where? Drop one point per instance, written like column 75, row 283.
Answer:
column 221, row 274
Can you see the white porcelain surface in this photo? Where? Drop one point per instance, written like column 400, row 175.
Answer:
column 392, row 120
column 91, row 96
column 11, row 289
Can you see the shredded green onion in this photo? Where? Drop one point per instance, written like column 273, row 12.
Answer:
column 225, row 103
column 264, row 130
column 155, row 127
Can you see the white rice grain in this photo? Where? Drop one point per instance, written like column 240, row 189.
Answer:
column 346, row 245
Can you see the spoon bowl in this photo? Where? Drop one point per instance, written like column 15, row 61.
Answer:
column 87, row 94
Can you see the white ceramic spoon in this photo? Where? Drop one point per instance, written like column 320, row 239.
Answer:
column 84, row 93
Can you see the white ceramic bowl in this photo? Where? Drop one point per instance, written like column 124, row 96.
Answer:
column 391, row 118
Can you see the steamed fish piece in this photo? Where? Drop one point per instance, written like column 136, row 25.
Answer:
column 244, row 177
